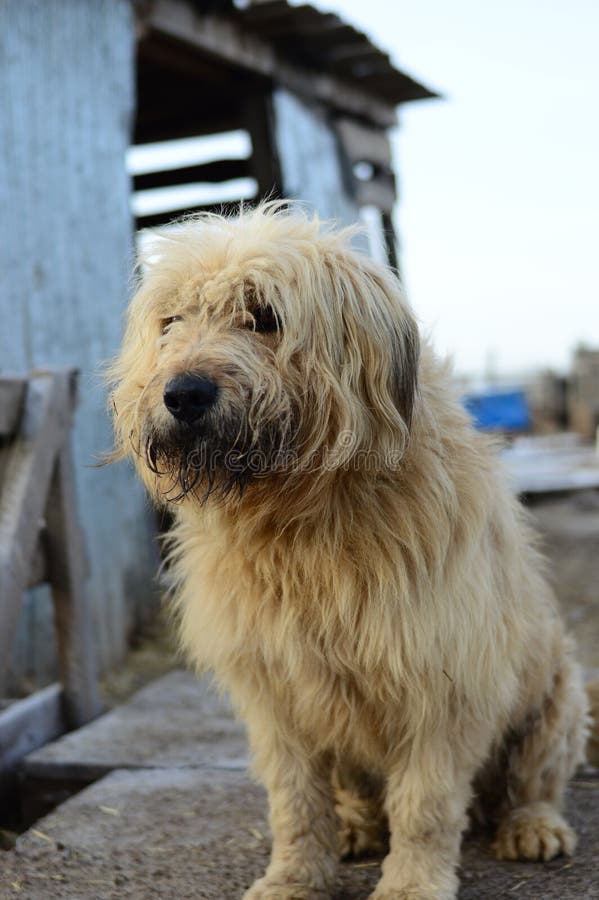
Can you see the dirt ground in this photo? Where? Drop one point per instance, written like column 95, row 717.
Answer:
column 147, row 834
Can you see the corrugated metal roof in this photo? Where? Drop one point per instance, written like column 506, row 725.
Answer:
column 322, row 41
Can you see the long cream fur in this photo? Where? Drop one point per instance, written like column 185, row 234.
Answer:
column 372, row 598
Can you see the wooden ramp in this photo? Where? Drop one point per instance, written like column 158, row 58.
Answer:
column 173, row 815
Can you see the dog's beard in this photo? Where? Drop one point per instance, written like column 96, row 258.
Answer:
column 216, row 459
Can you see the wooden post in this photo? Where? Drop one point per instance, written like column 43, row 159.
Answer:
column 265, row 164
column 67, row 572
column 390, row 241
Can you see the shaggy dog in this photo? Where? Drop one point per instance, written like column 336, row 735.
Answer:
column 348, row 558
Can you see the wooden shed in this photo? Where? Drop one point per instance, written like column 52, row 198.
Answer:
column 314, row 95
column 82, row 81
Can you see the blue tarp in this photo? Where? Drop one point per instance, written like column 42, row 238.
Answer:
column 505, row 410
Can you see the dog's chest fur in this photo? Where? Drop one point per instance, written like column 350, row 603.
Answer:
column 313, row 637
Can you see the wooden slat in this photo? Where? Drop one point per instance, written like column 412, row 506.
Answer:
column 27, row 469
column 219, row 170
column 166, row 218
column 379, row 192
column 361, row 143
column 225, row 39
column 183, row 63
column 12, row 394
column 67, row 570
column 168, row 122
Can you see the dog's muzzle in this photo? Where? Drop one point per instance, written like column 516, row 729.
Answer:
column 187, row 397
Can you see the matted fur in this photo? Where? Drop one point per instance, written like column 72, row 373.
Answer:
column 357, row 574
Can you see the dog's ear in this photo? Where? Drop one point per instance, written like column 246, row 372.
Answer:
column 405, row 355
column 382, row 345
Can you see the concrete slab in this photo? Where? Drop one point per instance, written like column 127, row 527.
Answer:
column 176, row 721
column 551, row 463
column 178, row 834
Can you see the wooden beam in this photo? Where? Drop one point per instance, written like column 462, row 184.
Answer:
column 265, row 162
column 194, row 121
column 226, row 40
column 219, row 170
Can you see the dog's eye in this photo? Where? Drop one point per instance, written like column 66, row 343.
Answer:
column 265, row 320
column 166, row 323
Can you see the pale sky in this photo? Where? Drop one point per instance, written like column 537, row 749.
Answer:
column 499, row 212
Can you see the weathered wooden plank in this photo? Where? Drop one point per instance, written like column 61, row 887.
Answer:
column 310, row 161
column 225, row 39
column 67, row 570
column 67, row 86
column 12, row 394
column 361, row 143
column 38, row 570
column 379, row 191
column 29, row 461
column 166, row 124
column 28, row 724
column 219, row 170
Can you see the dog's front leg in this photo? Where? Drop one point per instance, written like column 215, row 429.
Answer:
column 426, row 804
column 303, row 823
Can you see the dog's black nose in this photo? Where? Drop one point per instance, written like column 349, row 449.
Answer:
column 187, row 397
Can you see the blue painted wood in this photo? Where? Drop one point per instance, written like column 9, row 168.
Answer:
column 311, row 164
column 67, row 89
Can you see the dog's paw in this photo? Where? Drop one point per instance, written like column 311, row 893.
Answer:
column 407, row 894
column 534, row 832
column 442, row 886
column 269, row 889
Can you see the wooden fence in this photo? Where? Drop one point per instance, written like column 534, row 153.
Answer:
column 41, row 541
